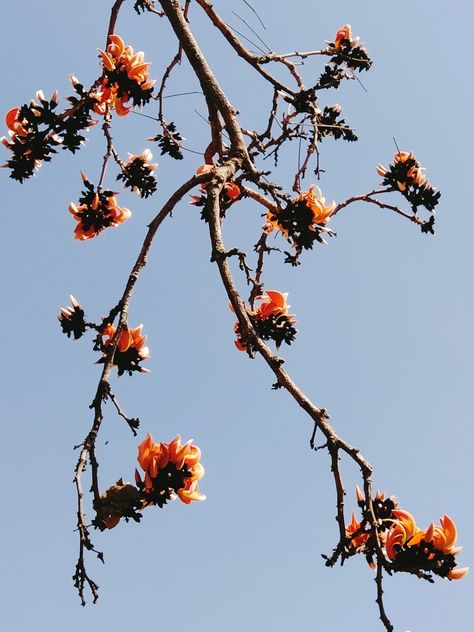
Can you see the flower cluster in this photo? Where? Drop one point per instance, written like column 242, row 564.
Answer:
column 303, row 220
column 35, row 131
column 125, row 79
column 137, row 174
column 432, row 550
column 130, row 351
column 170, row 468
column 96, row 211
column 32, row 136
column 347, row 55
column 271, row 321
column 407, row 547
column 72, row 320
column 406, row 175
column 229, row 194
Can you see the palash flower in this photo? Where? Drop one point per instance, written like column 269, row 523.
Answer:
column 307, row 212
column 443, row 538
column 404, row 532
column 432, row 550
column 125, row 78
column 15, row 126
column 414, row 175
column 273, row 303
column 230, row 190
column 137, row 173
column 130, row 351
column 170, row 468
column 345, row 33
column 270, row 319
column 317, row 203
column 354, row 527
column 96, row 211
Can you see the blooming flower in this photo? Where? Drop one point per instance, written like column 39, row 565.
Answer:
column 96, row 211
column 404, row 532
column 16, row 127
column 125, row 78
column 317, row 203
column 303, row 219
column 432, row 550
column 345, row 33
column 270, row 319
column 230, row 190
column 130, row 351
column 169, row 468
column 354, row 527
column 273, row 303
column 413, row 175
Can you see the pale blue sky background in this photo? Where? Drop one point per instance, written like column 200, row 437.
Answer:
column 385, row 342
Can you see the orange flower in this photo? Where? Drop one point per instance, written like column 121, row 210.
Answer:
column 15, row 126
column 353, row 527
column 129, row 78
column 345, row 33
column 404, row 532
column 273, row 303
column 131, row 348
column 414, row 175
column 443, row 536
column 230, row 190
column 180, row 465
column 317, row 203
column 270, row 319
column 96, row 211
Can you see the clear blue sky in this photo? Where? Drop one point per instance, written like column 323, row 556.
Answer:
column 385, row 340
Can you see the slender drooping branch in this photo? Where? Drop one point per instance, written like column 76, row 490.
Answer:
column 87, row 452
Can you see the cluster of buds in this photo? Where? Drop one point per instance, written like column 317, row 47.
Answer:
column 170, row 142
column 170, row 469
column 125, row 79
column 405, row 546
column 302, row 221
column 229, row 194
column 131, row 348
column 96, row 211
column 330, row 123
column 72, row 320
column 406, row 175
column 137, row 174
column 271, row 321
column 347, row 55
